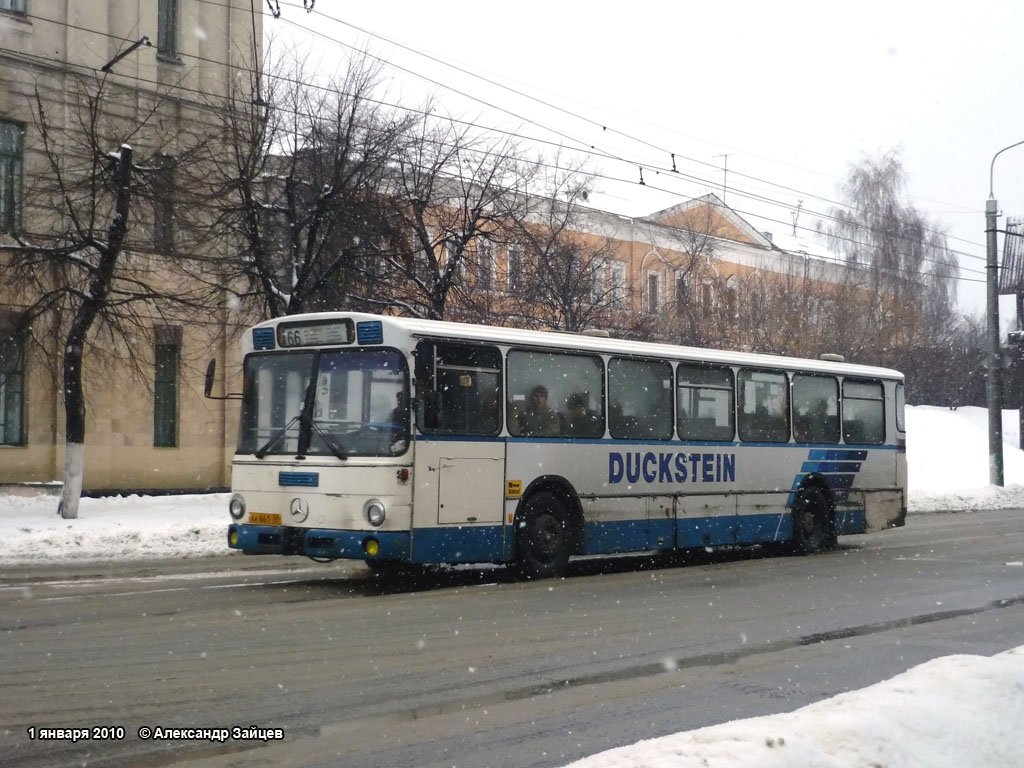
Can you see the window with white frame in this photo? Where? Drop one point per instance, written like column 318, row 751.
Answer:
column 485, row 263
column 682, row 291
column 618, row 286
column 15, row 6
column 516, row 267
column 707, row 294
column 732, row 296
column 653, row 292
column 598, row 281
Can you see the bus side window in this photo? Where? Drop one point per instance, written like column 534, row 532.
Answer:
column 460, row 386
column 704, row 397
column 863, row 412
column 647, row 388
column 815, row 409
column 573, row 389
column 763, row 406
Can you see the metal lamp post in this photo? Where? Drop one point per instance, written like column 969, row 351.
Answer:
column 994, row 389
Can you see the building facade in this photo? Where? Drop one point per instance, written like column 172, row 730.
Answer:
column 81, row 78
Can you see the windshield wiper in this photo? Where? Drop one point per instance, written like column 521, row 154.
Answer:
column 260, row 452
column 304, row 421
column 329, row 440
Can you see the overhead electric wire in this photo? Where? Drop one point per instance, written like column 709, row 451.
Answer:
column 604, row 127
column 589, row 151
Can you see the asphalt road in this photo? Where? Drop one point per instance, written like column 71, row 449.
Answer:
column 469, row 667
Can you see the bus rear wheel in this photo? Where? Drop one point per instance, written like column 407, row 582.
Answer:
column 544, row 536
column 813, row 524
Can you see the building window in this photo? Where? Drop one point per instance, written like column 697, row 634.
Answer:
column 165, row 387
column 485, row 263
column 618, row 286
column 598, row 281
column 15, row 6
column 653, row 292
column 515, row 268
column 707, row 295
column 10, row 176
column 682, row 292
column 732, row 296
column 12, row 388
column 163, row 205
column 167, row 28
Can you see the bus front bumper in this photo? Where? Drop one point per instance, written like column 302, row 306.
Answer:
column 318, row 542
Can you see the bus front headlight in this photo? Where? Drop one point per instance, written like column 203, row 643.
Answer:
column 236, row 506
column 375, row 513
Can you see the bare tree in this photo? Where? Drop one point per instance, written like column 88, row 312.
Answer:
column 86, row 277
column 564, row 279
column 909, row 268
column 451, row 189
column 685, row 255
column 301, row 185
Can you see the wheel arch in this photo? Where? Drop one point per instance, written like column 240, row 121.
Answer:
column 817, row 481
column 564, row 490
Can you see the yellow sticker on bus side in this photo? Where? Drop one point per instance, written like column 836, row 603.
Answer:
column 514, row 489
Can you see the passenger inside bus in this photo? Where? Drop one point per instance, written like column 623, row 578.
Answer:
column 580, row 421
column 538, row 418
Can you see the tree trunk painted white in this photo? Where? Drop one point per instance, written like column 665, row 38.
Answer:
column 74, row 458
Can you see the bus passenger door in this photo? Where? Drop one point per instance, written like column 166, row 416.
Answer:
column 471, row 489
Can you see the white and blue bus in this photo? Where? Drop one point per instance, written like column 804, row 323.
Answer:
column 401, row 441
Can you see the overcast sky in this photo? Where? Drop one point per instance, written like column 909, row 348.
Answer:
column 792, row 91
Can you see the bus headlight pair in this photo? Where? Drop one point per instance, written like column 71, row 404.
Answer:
column 375, row 513
column 236, row 507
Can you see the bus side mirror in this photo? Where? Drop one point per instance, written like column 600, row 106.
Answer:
column 211, row 371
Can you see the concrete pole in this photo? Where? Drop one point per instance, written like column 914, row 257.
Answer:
column 994, row 382
column 994, row 389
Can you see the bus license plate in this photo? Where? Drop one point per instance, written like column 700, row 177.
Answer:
column 264, row 518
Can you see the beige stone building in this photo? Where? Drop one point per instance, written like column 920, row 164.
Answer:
column 158, row 65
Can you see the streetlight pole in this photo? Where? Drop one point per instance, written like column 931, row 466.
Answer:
column 994, row 388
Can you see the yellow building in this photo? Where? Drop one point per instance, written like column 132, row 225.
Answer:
column 152, row 66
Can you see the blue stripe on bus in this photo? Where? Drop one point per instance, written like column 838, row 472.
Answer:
column 835, row 454
column 495, row 543
column 830, row 466
column 459, row 544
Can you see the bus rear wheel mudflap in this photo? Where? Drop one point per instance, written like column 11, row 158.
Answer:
column 545, row 536
column 813, row 520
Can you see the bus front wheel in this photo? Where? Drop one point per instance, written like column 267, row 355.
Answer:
column 813, row 528
column 544, row 536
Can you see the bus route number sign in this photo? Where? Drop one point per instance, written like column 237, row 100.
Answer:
column 324, row 333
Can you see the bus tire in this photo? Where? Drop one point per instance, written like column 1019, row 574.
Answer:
column 813, row 523
column 544, row 536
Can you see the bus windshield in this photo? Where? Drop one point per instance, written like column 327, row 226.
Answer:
column 358, row 405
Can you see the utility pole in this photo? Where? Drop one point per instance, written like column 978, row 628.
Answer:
column 994, row 389
column 725, row 172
